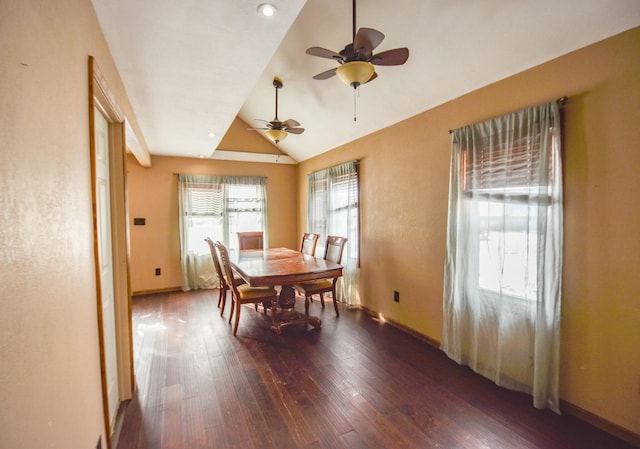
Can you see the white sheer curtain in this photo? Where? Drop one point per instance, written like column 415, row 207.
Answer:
column 216, row 207
column 333, row 210
column 504, row 251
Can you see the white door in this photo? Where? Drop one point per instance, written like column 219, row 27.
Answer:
column 105, row 258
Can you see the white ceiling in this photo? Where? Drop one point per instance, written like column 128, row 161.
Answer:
column 190, row 67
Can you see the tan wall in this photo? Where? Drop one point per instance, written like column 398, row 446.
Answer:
column 404, row 193
column 153, row 194
column 49, row 370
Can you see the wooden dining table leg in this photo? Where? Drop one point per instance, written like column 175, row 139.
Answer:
column 287, row 298
column 287, row 316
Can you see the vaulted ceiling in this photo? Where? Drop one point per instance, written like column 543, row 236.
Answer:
column 191, row 67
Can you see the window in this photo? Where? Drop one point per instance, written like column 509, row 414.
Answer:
column 506, row 265
column 334, row 210
column 504, row 251
column 245, row 211
column 502, row 182
column 203, row 217
column 217, row 207
column 333, row 204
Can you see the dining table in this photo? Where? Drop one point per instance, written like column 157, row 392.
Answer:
column 283, row 267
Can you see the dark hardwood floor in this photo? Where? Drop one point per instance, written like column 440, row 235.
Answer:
column 355, row 383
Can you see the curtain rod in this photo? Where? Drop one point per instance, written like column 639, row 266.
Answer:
column 244, row 176
column 561, row 102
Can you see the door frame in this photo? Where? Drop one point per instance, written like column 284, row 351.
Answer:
column 101, row 97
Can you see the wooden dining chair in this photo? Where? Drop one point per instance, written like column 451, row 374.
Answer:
column 224, row 287
column 309, row 242
column 251, row 240
column 333, row 253
column 243, row 293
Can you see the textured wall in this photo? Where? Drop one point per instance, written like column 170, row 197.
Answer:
column 404, row 194
column 153, row 194
column 50, row 371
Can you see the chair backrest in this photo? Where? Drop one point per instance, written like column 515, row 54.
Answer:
column 335, row 247
column 250, row 240
column 225, row 266
column 216, row 262
column 309, row 242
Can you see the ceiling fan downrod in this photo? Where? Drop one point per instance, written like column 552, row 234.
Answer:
column 353, row 19
column 277, row 83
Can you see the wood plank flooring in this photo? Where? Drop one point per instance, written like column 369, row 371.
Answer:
column 355, row 383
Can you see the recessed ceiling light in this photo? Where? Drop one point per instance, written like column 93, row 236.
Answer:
column 267, row 9
column 211, row 134
column 201, row 156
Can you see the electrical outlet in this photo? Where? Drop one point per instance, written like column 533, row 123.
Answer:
column 396, row 296
column 157, row 271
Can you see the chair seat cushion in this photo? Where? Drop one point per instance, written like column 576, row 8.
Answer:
column 315, row 286
column 247, row 292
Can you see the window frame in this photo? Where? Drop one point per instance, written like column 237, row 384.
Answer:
column 225, row 208
column 328, row 184
column 477, row 183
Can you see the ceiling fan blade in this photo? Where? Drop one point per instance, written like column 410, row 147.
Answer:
column 323, row 53
column 325, row 75
column 260, row 120
column 397, row 56
column 366, row 40
column 290, row 123
column 295, row 130
column 258, row 129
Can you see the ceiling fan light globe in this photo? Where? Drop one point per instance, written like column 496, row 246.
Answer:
column 277, row 135
column 355, row 73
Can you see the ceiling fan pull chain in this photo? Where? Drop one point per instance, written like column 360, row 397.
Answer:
column 354, row 105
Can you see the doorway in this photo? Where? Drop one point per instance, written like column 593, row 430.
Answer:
column 107, row 143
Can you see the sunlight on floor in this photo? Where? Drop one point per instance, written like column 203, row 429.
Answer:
column 142, row 327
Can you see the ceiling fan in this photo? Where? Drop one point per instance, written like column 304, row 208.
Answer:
column 357, row 59
column 277, row 130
